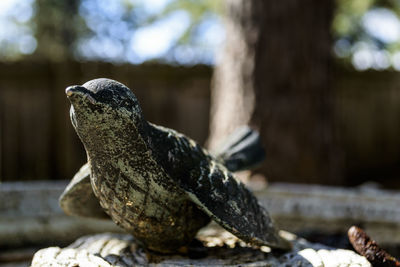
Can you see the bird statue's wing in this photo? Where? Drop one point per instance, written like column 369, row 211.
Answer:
column 214, row 189
column 78, row 198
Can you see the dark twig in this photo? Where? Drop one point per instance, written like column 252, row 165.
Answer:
column 367, row 247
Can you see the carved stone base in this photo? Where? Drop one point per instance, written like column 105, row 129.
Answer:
column 217, row 248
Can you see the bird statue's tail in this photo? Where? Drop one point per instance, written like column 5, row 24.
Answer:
column 241, row 150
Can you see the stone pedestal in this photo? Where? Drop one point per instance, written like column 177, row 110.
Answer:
column 217, row 248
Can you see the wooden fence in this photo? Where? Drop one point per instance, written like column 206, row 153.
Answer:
column 37, row 141
column 367, row 116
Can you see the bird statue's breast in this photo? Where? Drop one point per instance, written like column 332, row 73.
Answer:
column 141, row 197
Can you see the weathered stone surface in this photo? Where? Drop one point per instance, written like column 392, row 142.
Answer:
column 220, row 249
column 155, row 183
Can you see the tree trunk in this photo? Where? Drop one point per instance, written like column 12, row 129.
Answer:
column 274, row 74
column 57, row 27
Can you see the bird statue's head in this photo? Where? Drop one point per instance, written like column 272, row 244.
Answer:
column 104, row 112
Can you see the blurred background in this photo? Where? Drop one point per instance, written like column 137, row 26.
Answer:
column 318, row 79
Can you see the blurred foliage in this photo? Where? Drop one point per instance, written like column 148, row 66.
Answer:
column 348, row 17
column 199, row 12
column 16, row 35
column 105, row 30
column 366, row 32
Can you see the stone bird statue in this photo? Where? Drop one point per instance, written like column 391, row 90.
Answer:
column 154, row 182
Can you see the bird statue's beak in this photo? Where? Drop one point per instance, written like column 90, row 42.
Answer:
column 79, row 91
column 75, row 89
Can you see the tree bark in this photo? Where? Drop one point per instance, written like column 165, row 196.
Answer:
column 274, row 74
